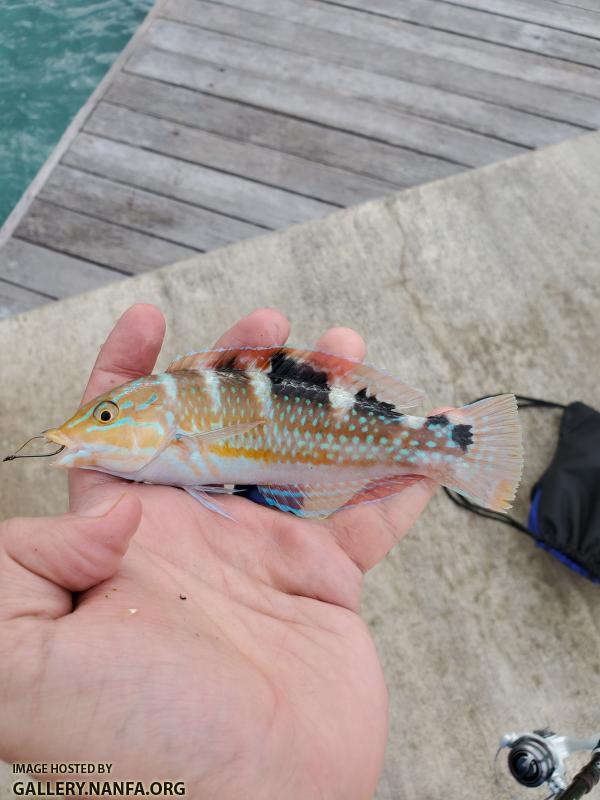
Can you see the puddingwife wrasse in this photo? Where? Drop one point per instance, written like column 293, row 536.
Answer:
column 314, row 432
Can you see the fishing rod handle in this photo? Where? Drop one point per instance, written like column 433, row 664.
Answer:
column 584, row 781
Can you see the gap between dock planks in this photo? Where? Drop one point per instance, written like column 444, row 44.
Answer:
column 573, row 18
column 363, row 20
column 390, row 47
column 278, row 132
column 479, row 24
column 323, row 59
column 224, row 119
column 245, row 159
column 380, row 123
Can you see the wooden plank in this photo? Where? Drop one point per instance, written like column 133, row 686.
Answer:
column 42, row 270
column 15, row 299
column 485, row 55
column 402, row 50
column 261, row 205
column 345, row 113
column 317, row 70
column 143, row 211
column 588, row 5
column 575, row 20
column 248, row 160
column 279, row 132
column 85, row 237
column 467, row 21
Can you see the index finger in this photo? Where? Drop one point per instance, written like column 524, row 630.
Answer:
column 261, row 328
column 130, row 351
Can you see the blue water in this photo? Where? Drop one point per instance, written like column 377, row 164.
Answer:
column 53, row 53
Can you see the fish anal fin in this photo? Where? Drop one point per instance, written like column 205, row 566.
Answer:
column 308, row 501
column 321, row 500
column 382, row 488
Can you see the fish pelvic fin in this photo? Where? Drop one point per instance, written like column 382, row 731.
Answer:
column 489, row 435
column 201, row 494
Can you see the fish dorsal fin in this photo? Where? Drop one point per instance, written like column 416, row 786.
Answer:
column 286, row 364
column 225, row 359
column 321, row 500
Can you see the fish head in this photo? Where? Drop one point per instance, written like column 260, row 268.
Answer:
column 119, row 431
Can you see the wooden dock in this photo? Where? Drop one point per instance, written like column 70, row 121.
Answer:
column 228, row 118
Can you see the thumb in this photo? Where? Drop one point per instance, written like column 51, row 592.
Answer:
column 44, row 559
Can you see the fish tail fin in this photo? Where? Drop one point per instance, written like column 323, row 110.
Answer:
column 489, row 470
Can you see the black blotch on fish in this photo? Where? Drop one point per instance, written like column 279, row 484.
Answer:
column 438, row 419
column 226, row 363
column 364, row 402
column 288, row 375
column 462, row 435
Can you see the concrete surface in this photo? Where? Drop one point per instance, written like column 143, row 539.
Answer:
column 487, row 281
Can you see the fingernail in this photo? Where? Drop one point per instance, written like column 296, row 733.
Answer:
column 101, row 508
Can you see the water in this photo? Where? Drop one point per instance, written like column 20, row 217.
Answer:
column 53, row 53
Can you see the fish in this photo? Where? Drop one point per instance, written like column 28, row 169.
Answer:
column 313, row 431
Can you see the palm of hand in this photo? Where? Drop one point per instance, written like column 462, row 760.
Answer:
column 249, row 669
column 226, row 654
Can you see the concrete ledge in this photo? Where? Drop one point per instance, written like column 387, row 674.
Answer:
column 480, row 283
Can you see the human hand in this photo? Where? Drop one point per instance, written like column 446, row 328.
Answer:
column 229, row 655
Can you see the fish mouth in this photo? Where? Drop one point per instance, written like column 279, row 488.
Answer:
column 56, row 436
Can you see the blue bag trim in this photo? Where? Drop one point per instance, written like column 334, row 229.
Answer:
column 533, row 522
column 534, row 527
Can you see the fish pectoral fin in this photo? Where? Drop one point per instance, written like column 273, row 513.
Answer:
column 218, row 434
column 323, row 499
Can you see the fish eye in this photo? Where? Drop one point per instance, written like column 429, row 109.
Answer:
column 106, row 411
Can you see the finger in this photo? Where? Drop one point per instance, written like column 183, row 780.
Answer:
column 368, row 532
column 343, row 342
column 44, row 559
column 129, row 352
column 261, row 328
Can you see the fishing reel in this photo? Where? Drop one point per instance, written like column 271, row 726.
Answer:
column 536, row 761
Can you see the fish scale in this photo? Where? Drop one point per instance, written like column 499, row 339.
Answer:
column 314, row 432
